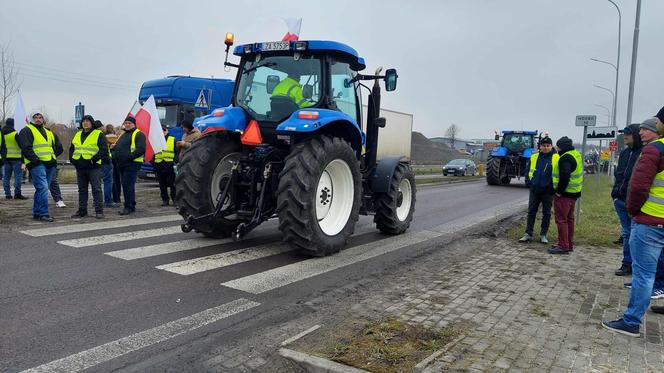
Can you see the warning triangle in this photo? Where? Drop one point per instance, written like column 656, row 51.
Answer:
column 201, row 101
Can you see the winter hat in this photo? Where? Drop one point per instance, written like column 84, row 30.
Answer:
column 187, row 123
column 97, row 124
column 164, row 127
column 564, row 143
column 660, row 115
column 546, row 140
column 649, row 124
column 130, row 119
column 88, row 117
column 35, row 114
column 9, row 122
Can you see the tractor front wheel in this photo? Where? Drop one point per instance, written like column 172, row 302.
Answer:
column 319, row 195
column 493, row 171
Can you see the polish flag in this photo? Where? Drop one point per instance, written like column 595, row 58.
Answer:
column 294, row 26
column 20, row 117
column 147, row 121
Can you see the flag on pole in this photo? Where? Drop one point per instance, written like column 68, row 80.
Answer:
column 134, row 110
column 294, row 26
column 20, row 117
column 147, row 121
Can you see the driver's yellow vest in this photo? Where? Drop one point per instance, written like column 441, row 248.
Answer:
column 13, row 150
column 88, row 148
column 576, row 180
column 44, row 147
column 289, row 87
column 168, row 154
column 533, row 163
column 654, row 206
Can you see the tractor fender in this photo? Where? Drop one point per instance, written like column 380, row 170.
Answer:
column 327, row 121
column 499, row 151
column 382, row 175
column 233, row 119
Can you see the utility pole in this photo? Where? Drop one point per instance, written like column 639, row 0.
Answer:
column 635, row 49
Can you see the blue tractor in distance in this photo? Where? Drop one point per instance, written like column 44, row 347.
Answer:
column 512, row 158
column 291, row 146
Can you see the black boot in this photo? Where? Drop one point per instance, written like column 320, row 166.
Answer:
column 19, row 196
column 164, row 203
column 624, row 270
column 657, row 309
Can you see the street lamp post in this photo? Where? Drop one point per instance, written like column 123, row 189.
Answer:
column 615, row 97
column 608, row 111
column 635, row 49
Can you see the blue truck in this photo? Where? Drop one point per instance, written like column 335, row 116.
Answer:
column 180, row 96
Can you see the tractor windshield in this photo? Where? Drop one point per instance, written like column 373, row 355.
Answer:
column 273, row 87
column 517, row 143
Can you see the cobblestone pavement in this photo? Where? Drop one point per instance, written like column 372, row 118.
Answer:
column 522, row 309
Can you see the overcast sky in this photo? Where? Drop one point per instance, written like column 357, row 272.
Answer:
column 484, row 65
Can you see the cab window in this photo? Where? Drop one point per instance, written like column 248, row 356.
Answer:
column 342, row 93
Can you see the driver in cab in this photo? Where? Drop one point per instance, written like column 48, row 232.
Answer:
column 290, row 87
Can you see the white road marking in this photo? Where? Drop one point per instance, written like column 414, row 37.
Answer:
column 166, row 248
column 120, row 237
column 74, row 228
column 275, row 278
column 207, row 263
column 100, row 354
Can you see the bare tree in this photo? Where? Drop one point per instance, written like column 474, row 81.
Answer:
column 452, row 133
column 9, row 83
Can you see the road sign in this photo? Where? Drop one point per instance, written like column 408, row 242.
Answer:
column 602, row 133
column 586, row 120
column 79, row 112
column 604, row 156
column 613, row 145
column 203, row 100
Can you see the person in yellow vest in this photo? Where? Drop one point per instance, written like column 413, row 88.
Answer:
column 645, row 203
column 541, row 189
column 87, row 152
column 128, row 153
column 567, row 184
column 291, row 87
column 163, row 165
column 11, row 155
column 40, row 148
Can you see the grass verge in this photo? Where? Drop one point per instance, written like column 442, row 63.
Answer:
column 388, row 345
column 599, row 224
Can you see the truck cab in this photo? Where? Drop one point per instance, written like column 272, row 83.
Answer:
column 180, row 96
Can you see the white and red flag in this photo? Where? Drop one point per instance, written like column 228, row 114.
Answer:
column 147, row 121
column 294, row 26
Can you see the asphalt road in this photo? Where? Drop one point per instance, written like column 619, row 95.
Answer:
column 128, row 293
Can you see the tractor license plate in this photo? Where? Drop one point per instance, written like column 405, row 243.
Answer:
column 276, row 46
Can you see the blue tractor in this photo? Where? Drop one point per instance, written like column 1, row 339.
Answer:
column 512, row 158
column 300, row 156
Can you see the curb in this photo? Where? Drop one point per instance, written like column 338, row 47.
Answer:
column 315, row 364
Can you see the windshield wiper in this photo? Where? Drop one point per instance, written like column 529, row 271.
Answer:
column 267, row 64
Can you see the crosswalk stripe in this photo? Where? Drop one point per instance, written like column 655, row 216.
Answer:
column 111, row 350
column 275, row 278
column 119, row 237
column 206, row 263
column 166, row 248
column 75, row 228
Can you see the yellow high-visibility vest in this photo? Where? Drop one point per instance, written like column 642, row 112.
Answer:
column 13, row 150
column 133, row 145
column 654, row 206
column 533, row 164
column 168, row 154
column 576, row 180
column 88, row 148
column 289, row 87
column 44, row 147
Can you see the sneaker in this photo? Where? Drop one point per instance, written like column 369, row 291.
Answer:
column 60, row 204
column 99, row 215
column 619, row 326
column 558, row 251
column 20, row 196
column 526, row 238
column 126, row 212
column 46, row 219
column 619, row 241
column 113, row 205
column 543, row 239
column 657, row 293
column 657, row 309
column 624, row 270
column 79, row 214
column 627, row 285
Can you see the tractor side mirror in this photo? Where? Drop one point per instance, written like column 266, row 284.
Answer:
column 391, row 80
column 308, row 91
column 271, row 83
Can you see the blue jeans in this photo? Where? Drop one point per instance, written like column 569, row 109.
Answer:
column 626, row 228
column 128, row 177
column 42, row 177
column 646, row 244
column 12, row 166
column 107, row 177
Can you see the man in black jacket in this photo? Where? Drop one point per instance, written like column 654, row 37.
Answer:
column 40, row 148
column 128, row 153
column 567, row 183
column 87, row 152
column 541, row 190
column 623, row 173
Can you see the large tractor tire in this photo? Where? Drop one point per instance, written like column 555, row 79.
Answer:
column 318, row 200
column 394, row 209
column 493, row 171
column 202, row 174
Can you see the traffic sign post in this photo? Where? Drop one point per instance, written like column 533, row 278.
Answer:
column 613, row 145
column 584, row 121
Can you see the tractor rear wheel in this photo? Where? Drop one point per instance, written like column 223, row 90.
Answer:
column 318, row 200
column 202, row 174
column 394, row 209
column 493, row 171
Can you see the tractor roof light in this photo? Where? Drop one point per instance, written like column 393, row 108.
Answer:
column 300, row 45
column 218, row 113
column 312, row 115
column 230, row 38
column 247, row 49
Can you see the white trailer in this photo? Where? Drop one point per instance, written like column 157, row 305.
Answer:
column 395, row 137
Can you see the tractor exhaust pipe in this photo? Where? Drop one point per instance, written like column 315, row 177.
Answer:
column 373, row 124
